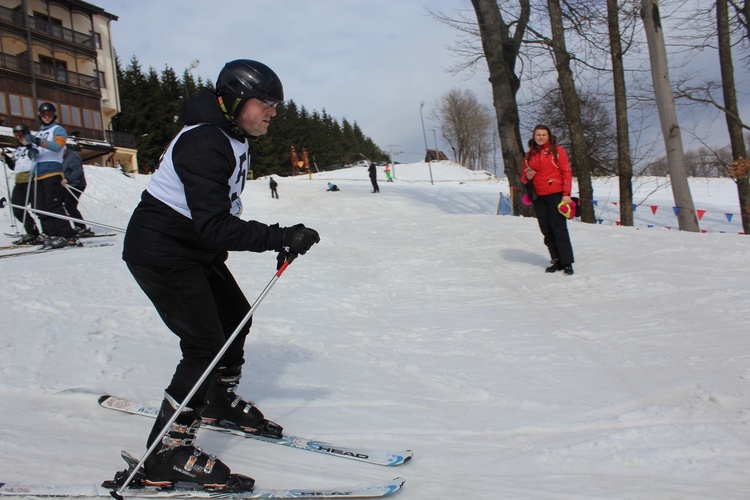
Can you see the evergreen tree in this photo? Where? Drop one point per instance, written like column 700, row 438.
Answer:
column 151, row 109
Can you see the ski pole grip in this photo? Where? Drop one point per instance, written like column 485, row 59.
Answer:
column 3, row 202
column 282, row 262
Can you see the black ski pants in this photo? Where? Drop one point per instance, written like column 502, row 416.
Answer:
column 554, row 227
column 71, row 204
column 23, row 195
column 202, row 306
column 50, row 194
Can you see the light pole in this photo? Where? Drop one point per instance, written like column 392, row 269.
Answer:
column 193, row 65
column 437, row 154
column 429, row 162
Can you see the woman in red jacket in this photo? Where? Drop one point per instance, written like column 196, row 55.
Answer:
column 546, row 166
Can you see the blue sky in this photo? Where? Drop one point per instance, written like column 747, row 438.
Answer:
column 368, row 61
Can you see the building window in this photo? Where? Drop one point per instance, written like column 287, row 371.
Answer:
column 3, row 108
column 70, row 115
column 102, row 79
column 21, row 106
column 98, row 40
column 75, row 115
column 87, row 121
column 97, row 120
column 64, row 113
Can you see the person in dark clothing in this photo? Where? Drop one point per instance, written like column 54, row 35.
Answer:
column 547, row 167
column 176, row 244
column 273, row 185
column 22, row 163
column 373, row 177
column 74, row 184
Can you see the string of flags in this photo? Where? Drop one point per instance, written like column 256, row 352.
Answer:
column 700, row 213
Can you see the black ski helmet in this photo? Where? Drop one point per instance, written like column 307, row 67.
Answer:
column 243, row 79
column 47, row 106
column 24, row 129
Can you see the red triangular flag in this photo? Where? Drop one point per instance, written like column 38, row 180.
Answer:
column 653, row 209
column 701, row 213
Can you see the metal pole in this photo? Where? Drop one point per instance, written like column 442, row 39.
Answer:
column 206, row 373
column 429, row 162
column 71, row 189
column 3, row 201
column 7, row 186
column 437, row 154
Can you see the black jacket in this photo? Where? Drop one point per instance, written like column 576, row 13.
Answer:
column 205, row 167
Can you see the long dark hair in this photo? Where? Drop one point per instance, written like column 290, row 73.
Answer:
column 535, row 148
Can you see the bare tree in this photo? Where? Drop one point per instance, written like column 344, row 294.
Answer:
column 732, row 114
column 743, row 16
column 466, row 124
column 501, row 50
column 572, row 102
column 598, row 129
column 686, row 218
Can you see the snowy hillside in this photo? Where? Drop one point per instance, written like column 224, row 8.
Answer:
column 424, row 321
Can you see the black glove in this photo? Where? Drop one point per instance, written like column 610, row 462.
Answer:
column 297, row 240
column 36, row 140
column 32, row 151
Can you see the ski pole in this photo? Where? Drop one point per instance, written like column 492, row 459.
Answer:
column 71, row 189
column 157, row 441
column 3, row 202
column 7, row 186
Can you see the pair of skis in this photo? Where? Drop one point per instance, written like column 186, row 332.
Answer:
column 37, row 249
column 388, row 458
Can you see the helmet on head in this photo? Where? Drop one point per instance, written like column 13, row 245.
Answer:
column 23, row 129
column 47, row 107
column 243, row 79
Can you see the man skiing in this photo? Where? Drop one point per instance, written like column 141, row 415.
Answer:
column 176, row 246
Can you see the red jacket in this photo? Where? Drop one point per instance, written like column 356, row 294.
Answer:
column 551, row 176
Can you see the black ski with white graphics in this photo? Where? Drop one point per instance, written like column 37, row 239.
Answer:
column 35, row 250
column 378, row 457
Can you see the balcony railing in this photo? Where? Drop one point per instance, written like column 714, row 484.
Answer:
column 49, row 72
column 43, row 26
column 120, row 139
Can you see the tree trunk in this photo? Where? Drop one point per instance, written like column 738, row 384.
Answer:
column 624, row 162
column 732, row 113
column 670, row 128
column 572, row 105
column 501, row 52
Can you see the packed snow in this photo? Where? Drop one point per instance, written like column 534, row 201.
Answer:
column 425, row 321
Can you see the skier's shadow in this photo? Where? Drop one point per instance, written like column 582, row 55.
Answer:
column 524, row 257
column 264, row 365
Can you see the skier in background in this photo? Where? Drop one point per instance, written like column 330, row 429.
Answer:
column 373, row 178
column 48, row 176
column 176, row 245
column 74, row 184
column 22, row 163
column 273, row 185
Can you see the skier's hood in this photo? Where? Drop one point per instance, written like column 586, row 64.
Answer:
column 205, row 108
